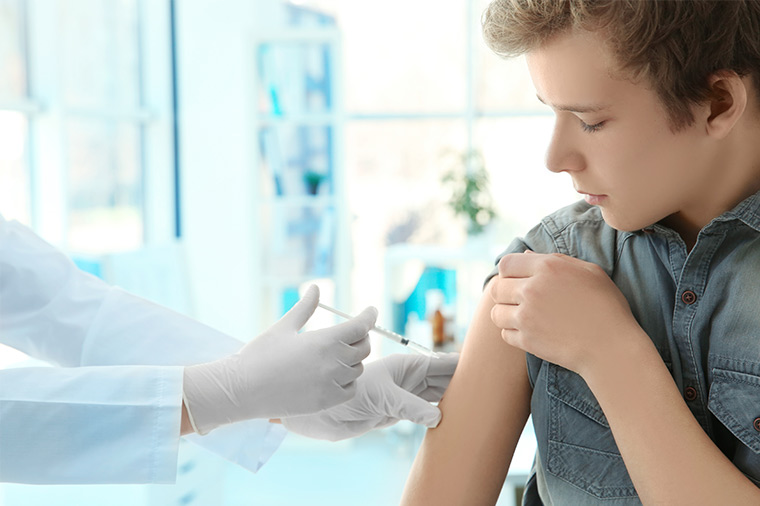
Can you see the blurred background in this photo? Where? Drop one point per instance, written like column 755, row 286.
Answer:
column 219, row 156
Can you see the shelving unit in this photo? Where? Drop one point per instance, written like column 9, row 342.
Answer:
column 301, row 207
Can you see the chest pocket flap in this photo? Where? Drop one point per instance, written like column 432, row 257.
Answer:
column 735, row 400
column 571, row 389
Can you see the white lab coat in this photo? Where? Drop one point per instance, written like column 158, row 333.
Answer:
column 110, row 411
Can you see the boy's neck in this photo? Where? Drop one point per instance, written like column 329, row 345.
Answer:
column 734, row 177
column 689, row 224
column 688, row 230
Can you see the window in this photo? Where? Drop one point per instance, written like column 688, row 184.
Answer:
column 420, row 86
column 14, row 125
column 86, row 152
column 86, row 119
column 103, row 124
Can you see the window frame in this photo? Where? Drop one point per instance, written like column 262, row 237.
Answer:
column 46, row 112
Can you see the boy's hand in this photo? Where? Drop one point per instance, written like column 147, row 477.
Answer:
column 561, row 309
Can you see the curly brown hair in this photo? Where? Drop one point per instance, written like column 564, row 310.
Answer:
column 674, row 44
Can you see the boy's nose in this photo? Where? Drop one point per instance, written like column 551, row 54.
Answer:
column 562, row 156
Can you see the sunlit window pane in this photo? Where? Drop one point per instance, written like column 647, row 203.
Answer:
column 525, row 191
column 14, row 180
column 12, row 60
column 504, row 85
column 500, row 84
column 104, row 186
column 101, row 53
column 394, row 175
column 402, row 56
column 394, row 172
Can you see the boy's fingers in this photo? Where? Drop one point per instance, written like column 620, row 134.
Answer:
column 518, row 265
column 505, row 290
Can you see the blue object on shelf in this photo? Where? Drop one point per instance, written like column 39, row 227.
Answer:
column 432, row 278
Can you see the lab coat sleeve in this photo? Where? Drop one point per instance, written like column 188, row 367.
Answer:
column 52, row 311
column 90, row 424
column 131, row 330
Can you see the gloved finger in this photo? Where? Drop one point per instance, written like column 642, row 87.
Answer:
column 438, row 377
column 349, row 389
column 433, row 393
column 362, row 426
column 345, row 375
column 300, row 313
column 437, row 382
column 440, row 372
column 357, row 327
column 408, row 371
column 407, row 406
column 352, row 354
column 444, row 365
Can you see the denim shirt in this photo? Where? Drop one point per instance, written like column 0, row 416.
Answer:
column 702, row 311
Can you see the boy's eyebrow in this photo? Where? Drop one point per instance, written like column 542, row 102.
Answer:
column 576, row 108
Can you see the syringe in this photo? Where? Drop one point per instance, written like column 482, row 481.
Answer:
column 387, row 333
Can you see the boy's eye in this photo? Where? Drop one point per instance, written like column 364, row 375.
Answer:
column 591, row 128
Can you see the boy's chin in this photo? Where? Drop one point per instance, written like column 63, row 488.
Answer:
column 624, row 224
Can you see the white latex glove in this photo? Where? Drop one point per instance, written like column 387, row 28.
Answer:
column 393, row 388
column 281, row 372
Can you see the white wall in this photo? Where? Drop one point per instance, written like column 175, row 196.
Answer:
column 218, row 158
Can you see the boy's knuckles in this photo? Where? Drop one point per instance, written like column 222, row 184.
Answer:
column 553, row 265
column 504, row 264
column 509, row 337
column 531, row 292
column 497, row 315
column 493, row 289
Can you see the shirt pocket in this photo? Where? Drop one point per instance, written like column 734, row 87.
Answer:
column 581, row 449
column 734, row 399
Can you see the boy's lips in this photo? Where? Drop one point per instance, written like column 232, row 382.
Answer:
column 593, row 199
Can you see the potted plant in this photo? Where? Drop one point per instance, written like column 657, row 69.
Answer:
column 470, row 195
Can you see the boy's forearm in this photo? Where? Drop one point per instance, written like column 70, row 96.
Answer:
column 669, row 457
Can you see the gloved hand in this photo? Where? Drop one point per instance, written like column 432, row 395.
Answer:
column 393, row 388
column 281, row 372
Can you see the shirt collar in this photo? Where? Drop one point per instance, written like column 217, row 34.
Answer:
column 747, row 211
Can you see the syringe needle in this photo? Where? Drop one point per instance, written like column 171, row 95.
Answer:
column 393, row 336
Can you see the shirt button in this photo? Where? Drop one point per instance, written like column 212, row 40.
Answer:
column 756, row 424
column 688, row 297
column 690, row 393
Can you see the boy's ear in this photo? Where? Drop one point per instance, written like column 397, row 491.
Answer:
column 727, row 103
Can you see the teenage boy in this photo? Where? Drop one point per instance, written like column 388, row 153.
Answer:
column 639, row 309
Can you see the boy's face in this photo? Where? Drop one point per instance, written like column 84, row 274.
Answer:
column 613, row 137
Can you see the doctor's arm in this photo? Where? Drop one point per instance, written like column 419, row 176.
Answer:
column 465, row 460
column 54, row 312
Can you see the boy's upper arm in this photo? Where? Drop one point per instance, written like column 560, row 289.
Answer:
column 465, row 459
